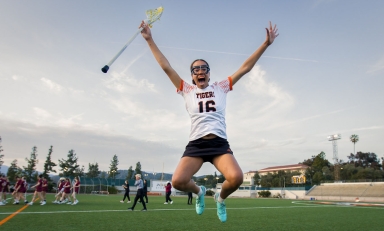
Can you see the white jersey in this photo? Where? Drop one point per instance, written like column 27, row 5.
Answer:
column 206, row 107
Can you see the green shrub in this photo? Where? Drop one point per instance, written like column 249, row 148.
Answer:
column 264, row 193
column 112, row 190
column 209, row 193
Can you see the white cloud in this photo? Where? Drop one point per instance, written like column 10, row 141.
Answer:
column 71, row 121
column 52, row 85
column 17, row 77
column 41, row 113
column 377, row 67
column 270, row 92
column 123, row 83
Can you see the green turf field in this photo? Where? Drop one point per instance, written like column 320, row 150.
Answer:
column 101, row 212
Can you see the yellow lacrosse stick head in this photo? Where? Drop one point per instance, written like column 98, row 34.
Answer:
column 154, row 15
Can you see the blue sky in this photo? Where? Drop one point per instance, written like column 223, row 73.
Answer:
column 323, row 75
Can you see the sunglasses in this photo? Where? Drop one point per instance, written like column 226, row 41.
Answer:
column 204, row 68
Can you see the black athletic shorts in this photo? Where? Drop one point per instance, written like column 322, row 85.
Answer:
column 207, row 148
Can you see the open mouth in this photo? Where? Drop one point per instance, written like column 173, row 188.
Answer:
column 201, row 80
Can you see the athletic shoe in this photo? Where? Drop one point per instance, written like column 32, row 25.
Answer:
column 1, row 203
column 69, row 203
column 15, row 202
column 128, row 202
column 200, row 202
column 171, row 202
column 55, row 202
column 165, row 203
column 43, row 203
column 221, row 209
column 130, row 209
column 121, row 201
column 144, row 210
column 30, row 203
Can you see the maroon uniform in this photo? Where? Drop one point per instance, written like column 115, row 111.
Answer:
column 6, row 186
column 67, row 187
column 45, row 186
column 77, row 187
column 22, row 185
column 39, row 187
column 61, row 185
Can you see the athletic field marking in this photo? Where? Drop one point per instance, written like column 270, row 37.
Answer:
column 2, row 222
column 300, row 204
column 156, row 210
column 340, row 203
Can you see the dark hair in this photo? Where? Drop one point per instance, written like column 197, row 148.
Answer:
column 41, row 175
column 190, row 68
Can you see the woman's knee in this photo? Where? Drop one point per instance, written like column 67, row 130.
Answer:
column 179, row 183
column 235, row 179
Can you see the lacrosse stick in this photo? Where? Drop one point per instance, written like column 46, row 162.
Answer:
column 152, row 16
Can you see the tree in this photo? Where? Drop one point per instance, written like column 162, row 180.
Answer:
column 49, row 165
column 103, row 175
column 317, row 178
column 93, row 170
column 32, row 162
column 138, row 168
column 69, row 166
column 80, row 171
column 365, row 159
column 14, row 170
column 316, row 165
column 1, row 155
column 256, row 179
column 113, row 167
column 130, row 173
column 354, row 139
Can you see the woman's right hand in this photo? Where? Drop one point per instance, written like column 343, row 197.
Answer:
column 146, row 31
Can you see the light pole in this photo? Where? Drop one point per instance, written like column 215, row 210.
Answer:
column 334, row 139
column 205, row 181
column 65, row 171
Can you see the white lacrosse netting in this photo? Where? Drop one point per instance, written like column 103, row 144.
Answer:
column 152, row 16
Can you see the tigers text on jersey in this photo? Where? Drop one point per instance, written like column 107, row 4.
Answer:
column 206, row 107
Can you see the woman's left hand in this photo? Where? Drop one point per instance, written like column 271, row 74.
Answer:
column 271, row 34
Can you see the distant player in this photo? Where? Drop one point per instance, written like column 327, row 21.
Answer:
column 38, row 189
column 60, row 190
column 5, row 189
column 126, row 194
column 66, row 192
column 44, row 189
column 14, row 193
column 2, row 181
column 168, row 191
column 75, row 190
column 139, row 195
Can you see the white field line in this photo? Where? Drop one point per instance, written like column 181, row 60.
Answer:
column 156, row 210
column 300, row 205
